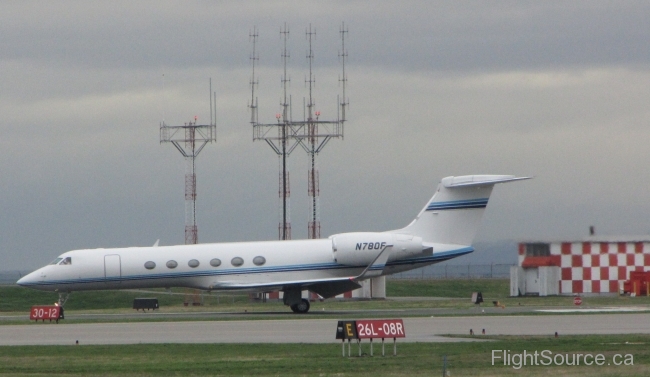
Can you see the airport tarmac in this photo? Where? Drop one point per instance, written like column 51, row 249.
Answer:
column 418, row 329
column 166, row 314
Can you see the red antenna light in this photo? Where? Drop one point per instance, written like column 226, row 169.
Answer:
column 277, row 116
column 317, row 113
column 195, row 118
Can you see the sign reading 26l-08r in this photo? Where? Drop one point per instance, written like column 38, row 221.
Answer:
column 370, row 328
column 370, row 245
column 380, row 328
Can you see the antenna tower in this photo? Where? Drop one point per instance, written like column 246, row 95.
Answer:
column 277, row 135
column 290, row 133
column 315, row 138
column 190, row 139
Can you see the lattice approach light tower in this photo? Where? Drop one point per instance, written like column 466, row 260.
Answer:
column 286, row 134
column 279, row 135
column 315, row 138
column 190, row 139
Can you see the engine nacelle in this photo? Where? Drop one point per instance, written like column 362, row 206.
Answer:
column 360, row 249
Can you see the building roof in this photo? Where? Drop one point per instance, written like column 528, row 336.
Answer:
column 597, row 238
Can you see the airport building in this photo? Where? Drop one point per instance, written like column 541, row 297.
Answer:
column 596, row 265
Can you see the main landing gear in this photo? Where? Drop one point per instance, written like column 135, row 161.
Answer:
column 301, row 307
column 292, row 298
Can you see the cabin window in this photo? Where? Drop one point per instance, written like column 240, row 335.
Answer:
column 193, row 263
column 259, row 260
column 56, row 261
column 67, row 260
column 237, row 261
column 150, row 265
column 172, row 264
column 216, row 262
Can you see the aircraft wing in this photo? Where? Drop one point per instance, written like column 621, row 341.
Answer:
column 324, row 287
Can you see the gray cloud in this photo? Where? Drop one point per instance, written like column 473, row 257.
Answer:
column 557, row 90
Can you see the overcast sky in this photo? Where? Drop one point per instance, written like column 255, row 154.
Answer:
column 557, row 90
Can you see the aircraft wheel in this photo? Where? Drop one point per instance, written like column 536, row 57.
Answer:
column 301, row 307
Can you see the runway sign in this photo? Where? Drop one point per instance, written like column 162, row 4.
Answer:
column 370, row 329
column 380, row 328
column 43, row 312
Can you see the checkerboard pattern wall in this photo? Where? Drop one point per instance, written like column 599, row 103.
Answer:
column 596, row 267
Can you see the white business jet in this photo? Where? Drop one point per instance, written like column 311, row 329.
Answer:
column 443, row 229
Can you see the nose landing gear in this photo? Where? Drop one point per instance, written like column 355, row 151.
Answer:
column 63, row 297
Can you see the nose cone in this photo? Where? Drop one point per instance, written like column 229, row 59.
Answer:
column 30, row 280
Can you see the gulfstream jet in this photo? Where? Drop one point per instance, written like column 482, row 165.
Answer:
column 443, row 229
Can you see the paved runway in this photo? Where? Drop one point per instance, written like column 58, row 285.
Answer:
column 294, row 330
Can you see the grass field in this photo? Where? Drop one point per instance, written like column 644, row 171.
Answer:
column 15, row 298
column 457, row 292
column 458, row 288
column 413, row 359
column 496, row 290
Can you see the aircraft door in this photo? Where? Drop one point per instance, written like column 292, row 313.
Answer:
column 112, row 268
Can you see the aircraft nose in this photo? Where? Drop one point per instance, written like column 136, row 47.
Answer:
column 27, row 279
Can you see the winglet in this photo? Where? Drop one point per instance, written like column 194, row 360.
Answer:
column 156, row 244
column 377, row 266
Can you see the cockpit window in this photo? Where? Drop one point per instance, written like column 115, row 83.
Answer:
column 56, row 261
column 67, row 260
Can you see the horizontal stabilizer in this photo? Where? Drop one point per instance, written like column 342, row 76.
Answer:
column 479, row 180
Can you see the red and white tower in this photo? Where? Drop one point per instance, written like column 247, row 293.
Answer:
column 312, row 134
column 279, row 136
column 190, row 139
column 314, row 139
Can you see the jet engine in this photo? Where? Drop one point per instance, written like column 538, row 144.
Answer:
column 360, row 249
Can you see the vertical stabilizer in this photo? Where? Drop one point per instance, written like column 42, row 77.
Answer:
column 453, row 214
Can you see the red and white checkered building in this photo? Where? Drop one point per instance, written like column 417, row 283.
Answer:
column 592, row 266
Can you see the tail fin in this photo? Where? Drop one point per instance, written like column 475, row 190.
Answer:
column 454, row 213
